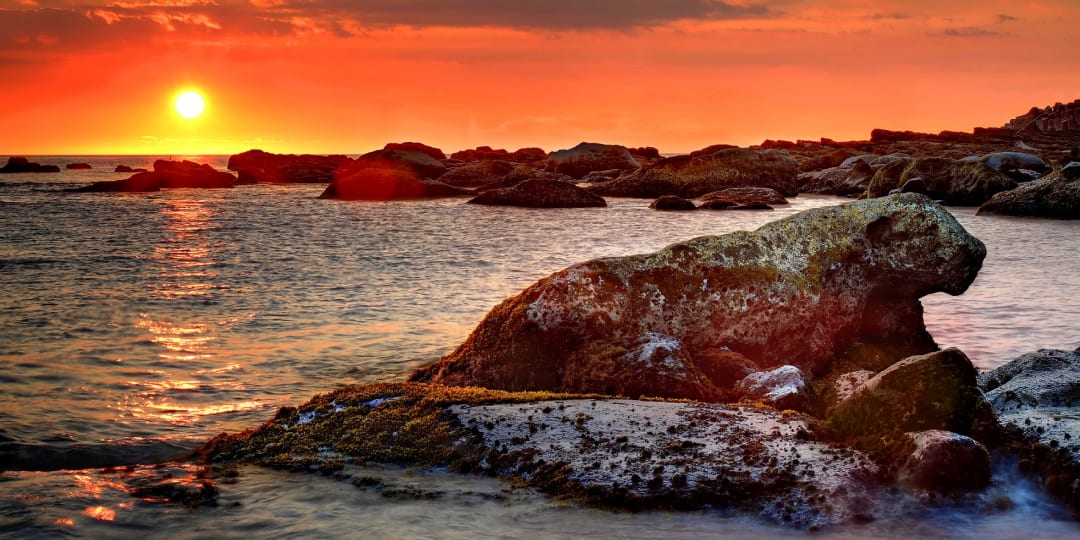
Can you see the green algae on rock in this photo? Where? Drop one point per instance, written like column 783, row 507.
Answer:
column 799, row 291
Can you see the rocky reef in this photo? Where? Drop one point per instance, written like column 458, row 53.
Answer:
column 18, row 164
column 540, row 194
column 257, row 166
column 1056, row 195
column 166, row 175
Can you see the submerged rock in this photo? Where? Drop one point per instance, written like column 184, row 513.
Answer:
column 706, row 171
column 1052, row 196
column 672, row 202
column 745, row 198
column 18, row 164
column 540, row 194
column 1037, row 398
column 797, row 291
column 588, row 157
column 77, row 166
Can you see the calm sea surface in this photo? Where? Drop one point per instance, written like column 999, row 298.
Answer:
column 135, row 326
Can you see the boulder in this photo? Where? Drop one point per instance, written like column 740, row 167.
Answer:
column 841, row 274
column 384, row 180
column 937, row 390
column 484, row 153
column 167, row 175
column 540, row 194
column 955, row 182
column 477, row 174
column 611, row 453
column 431, row 151
column 78, row 166
column 18, row 164
column 672, row 202
column 588, row 157
column 745, row 198
column 1014, row 161
column 258, row 167
column 1037, row 398
column 785, row 387
column 851, row 177
column 128, row 169
column 943, row 461
column 1052, row 196
column 702, row 172
column 418, row 162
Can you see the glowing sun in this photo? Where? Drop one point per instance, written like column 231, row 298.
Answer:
column 190, row 104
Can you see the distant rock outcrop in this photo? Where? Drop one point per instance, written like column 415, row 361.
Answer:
column 1052, row 196
column 78, row 166
column 435, row 153
column 18, row 164
column 167, row 175
column 1059, row 117
column 258, row 167
column 672, row 202
column 743, row 198
column 540, row 194
column 128, row 169
column 705, row 171
column 646, row 324
column 955, row 182
column 588, row 157
column 485, row 153
column 388, row 175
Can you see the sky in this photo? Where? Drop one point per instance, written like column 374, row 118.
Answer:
column 348, row 76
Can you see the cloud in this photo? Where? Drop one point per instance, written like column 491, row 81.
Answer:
column 1004, row 18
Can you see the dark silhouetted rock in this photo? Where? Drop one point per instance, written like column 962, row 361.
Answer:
column 431, row 151
column 785, row 387
column 167, row 175
column 851, row 177
column 529, row 155
column 1037, row 398
column 842, row 274
column 259, row 167
column 914, row 185
column 672, row 202
column 23, row 165
column 375, row 179
column 588, row 157
column 128, row 169
column 745, row 198
column 930, row 391
column 420, row 163
column 477, row 174
column 703, row 172
column 943, row 461
column 955, row 182
column 1052, row 196
column 540, row 194
column 1059, row 117
column 78, row 166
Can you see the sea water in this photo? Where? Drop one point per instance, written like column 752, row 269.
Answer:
column 133, row 327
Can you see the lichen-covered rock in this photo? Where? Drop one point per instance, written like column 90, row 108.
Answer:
column 607, row 452
column 1037, row 398
column 167, row 175
column 257, row 166
column 851, row 177
column 588, row 157
column 800, row 290
column 540, row 194
column 1052, row 196
column 785, row 387
column 702, row 172
column 943, row 461
column 377, row 180
column 672, row 202
column 955, row 182
column 931, row 391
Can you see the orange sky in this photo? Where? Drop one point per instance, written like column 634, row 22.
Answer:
column 341, row 76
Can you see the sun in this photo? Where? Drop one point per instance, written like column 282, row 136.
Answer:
column 190, row 104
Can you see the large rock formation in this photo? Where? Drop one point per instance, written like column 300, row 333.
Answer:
column 588, row 157
column 477, row 174
column 706, row 171
column 540, row 194
column 385, row 175
column 167, row 175
column 1059, row 117
column 1037, row 398
column 257, row 166
column 1052, row 196
column 955, row 182
column 18, row 164
column 797, row 291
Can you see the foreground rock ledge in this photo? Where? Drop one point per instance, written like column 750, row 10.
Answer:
column 599, row 451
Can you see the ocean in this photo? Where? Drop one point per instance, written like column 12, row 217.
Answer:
column 133, row 327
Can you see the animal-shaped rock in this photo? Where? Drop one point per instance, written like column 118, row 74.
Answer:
column 796, row 291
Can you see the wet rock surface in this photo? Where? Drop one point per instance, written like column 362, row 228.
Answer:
column 1053, row 196
column 840, row 274
column 1037, row 398
column 955, row 182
